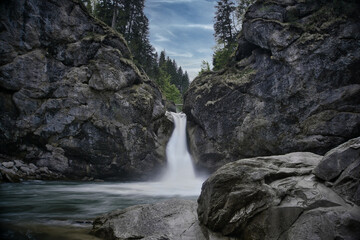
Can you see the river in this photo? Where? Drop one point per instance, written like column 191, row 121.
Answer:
column 45, row 210
column 40, row 209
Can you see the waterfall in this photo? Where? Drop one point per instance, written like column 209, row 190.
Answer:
column 180, row 168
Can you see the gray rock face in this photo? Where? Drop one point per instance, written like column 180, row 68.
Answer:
column 340, row 167
column 275, row 197
column 17, row 170
column 71, row 98
column 293, row 86
column 172, row 219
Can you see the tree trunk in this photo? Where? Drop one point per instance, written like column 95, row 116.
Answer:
column 113, row 22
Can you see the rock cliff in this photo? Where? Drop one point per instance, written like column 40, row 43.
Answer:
column 293, row 85
column 71, row 99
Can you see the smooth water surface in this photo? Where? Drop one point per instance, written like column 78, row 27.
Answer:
column 74, row 204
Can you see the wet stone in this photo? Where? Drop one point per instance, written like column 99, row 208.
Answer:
column 8, row 164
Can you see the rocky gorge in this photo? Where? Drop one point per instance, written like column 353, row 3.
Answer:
column 72, row 100
column 278, row 128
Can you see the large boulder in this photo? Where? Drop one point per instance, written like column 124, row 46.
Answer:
column 293, row 85
column 275, row 197
column 71, row 99
column 340, row 168
column 172, row 219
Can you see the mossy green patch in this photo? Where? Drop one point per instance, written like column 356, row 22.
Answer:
column 311, row 123
column 239, row 77
column 131, row 64
column 92, row 36
column 322, row 19
column 270, row 21
column 308, row 37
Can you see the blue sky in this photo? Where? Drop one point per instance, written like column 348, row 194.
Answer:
column 184, row 29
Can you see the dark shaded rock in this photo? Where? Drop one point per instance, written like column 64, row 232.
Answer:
column 341, row 166
column 9, row 175
column 19, row 163
column 340, row 222
column 338, row 159
column 293, row 85
column 275, row 197
column 71, row 98
column 8, row 164
column 244, row 48
column 16, row 171
column 170, row 106
column 172, row 219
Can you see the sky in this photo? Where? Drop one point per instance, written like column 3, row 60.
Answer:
column 184, row 29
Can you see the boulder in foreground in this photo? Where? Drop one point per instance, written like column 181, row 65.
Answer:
column 169, row 220
column 276, row 197
column 340, row 168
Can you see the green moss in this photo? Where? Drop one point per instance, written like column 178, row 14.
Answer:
column 92, row 36
column 134, row 67
column 239, row 77
column 203, row 88
column 229, row 78
column 308, row 37
column 327, row 25
column 270, row 21
column 313, row 122
column 322, row 19
column 109, row 32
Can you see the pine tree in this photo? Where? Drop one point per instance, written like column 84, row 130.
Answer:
column 228, row 19
column 170, row 91
column 128, row 18
column 88, row 4
column 242, row 7
column 185, row 82
column 162, row 58
column 223, row 25
column 179, row 80
column 205, row 67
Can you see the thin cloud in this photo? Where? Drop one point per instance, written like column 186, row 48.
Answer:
column 160, row 38
column 201, row 26
column 204, row 50
column 173, row 53
column 179, row 54
column 171, row 33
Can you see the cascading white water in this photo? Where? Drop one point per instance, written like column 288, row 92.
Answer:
column 180, row 167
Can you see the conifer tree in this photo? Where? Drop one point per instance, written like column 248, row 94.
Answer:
column 162, row 58
column 242, row 7
column 223, row 25
column 185, row 82
column 128, row 18
column 228, row 19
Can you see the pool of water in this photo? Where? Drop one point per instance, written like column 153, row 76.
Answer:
column 65, row 210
